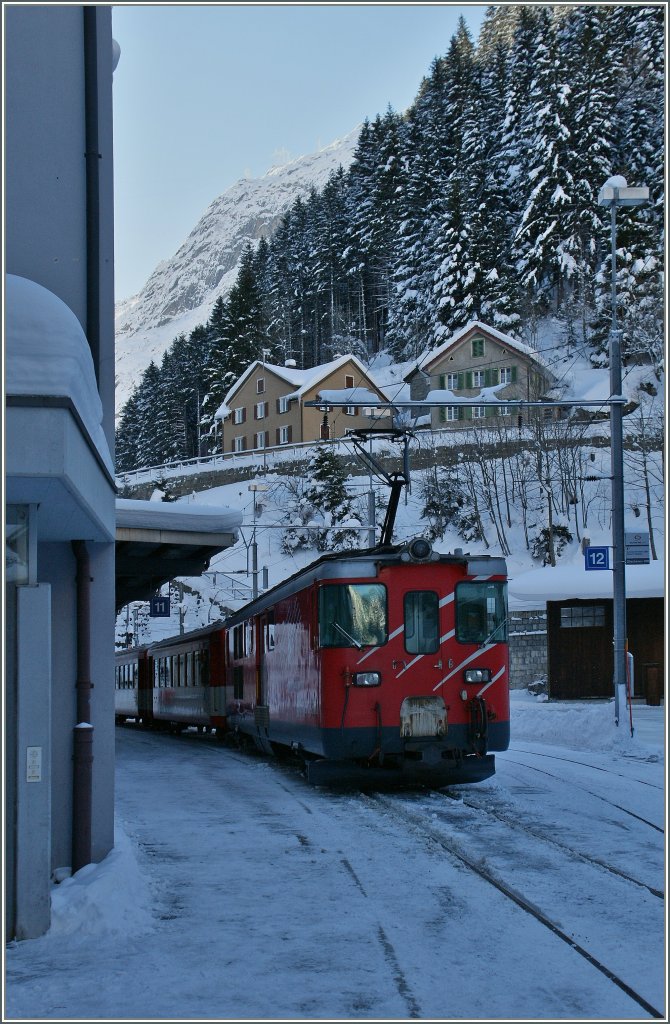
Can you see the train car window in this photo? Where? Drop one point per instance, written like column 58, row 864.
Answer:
column 353, row 615
column 269, row 632
column 238, row 682
column 481, row 613
column 249, row 637
column 238, row 642
column 422, row 634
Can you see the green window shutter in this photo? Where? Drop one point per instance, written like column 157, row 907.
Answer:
column 461, row 380
column 468, row 379
column 495, row 375
column 443, row 414
column 488, row 378
column 490, row 410
column 467, row 412
column 443, row 381
column 513, row 374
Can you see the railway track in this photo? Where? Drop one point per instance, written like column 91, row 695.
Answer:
column 402, row 811
column 584, row 789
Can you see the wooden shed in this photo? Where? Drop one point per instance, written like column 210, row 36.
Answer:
column 580, row 659
column 580, row 628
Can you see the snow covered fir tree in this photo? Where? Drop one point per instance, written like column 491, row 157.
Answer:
column 478, row 202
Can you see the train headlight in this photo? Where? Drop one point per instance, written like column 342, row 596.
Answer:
column 477, row 675
column 367, row 679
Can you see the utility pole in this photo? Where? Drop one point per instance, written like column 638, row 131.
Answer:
column 254, row 547
column 613, row 194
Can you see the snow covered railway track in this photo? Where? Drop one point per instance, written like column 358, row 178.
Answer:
column 475, row 804
column 581, row 764
column 424, row 829
column 597, row 796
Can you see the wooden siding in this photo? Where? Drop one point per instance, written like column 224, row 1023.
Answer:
column 580, row 660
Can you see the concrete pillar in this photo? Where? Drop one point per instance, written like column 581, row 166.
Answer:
column 33, row 756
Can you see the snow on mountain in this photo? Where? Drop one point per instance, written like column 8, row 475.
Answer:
column 181, row 291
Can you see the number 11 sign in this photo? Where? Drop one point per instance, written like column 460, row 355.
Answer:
column 596, row 558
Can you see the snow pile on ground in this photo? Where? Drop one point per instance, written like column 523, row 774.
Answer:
column 582, row 726
column 110, row 898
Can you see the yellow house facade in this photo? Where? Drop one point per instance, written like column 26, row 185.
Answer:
column 478, row 361
column 266, row 406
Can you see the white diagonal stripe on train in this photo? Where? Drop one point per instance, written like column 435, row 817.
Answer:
column 443, row 639
column 492, row 681
column 401, row 629
column 476, row 654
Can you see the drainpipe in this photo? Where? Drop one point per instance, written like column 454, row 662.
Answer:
column 93, row 157
column 82, row 778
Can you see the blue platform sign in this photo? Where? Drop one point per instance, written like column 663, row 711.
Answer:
column 596, row 558
column 159, row 607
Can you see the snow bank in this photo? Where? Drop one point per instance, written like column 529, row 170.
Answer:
column 583, row 726
column 111, row 897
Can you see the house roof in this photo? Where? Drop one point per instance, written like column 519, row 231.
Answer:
column 300, row 380
column 430, row 356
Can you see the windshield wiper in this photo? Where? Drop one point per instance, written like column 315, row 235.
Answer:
column 344, row 633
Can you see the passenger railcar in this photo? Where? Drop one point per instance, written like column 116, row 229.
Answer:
column 377, row 664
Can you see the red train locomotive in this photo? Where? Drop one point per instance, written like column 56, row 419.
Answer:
column 386, row 663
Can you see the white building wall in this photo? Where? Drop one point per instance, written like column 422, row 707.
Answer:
column 48, row 241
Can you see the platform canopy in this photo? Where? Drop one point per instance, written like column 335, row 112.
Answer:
column 157, row 541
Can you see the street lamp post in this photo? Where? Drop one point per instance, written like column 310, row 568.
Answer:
column 613, row 194
column 254, row 547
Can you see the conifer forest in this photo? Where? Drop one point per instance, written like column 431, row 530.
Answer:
column 478, row 202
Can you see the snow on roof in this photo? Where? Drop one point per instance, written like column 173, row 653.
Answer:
column 166, row 515
column 428, row 356
column 47, row 354
column 352, row 396
column 531, row 590
column 301, row 380
column 586, row 385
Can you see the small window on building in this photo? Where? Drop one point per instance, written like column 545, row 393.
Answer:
column 452, row 381
column 478, row 412
column 452, row 413
column 260, row 410
column 478, row 378
column 260, row 385
column 238, row 415
column 282, row 404
column 506, row 375
column 284, row 435
column 350, row 410
column 477, row 347
column 348, row 381
column 260, row 439
column 238, row 443
column 583, row 617
column 504, row 410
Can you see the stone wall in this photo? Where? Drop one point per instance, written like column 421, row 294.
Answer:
column 527, row 648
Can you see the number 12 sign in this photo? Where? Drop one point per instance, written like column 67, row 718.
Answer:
column 596, row 558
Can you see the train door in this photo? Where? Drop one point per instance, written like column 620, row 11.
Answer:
column 262, row 708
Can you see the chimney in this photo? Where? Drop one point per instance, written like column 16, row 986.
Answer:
column 290, row 364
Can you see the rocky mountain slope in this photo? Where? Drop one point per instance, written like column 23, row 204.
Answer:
column 181, row 291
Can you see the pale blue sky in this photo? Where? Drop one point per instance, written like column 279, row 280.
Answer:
column 207, row 94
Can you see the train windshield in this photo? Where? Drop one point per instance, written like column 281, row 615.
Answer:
column 353, row 615
column 481, row 613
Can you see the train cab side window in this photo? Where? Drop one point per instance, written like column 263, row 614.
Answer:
column 481, row 613
column 353, row 615
column 422, row 634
